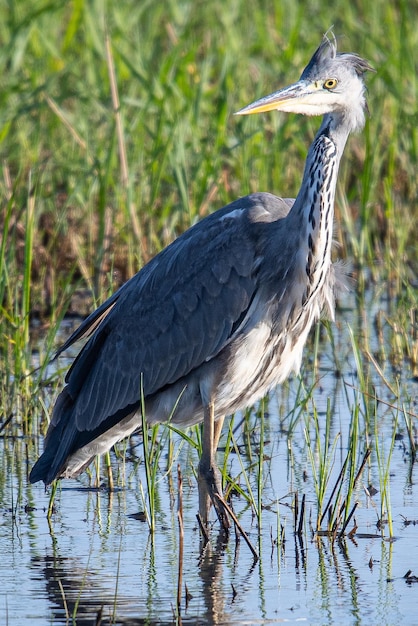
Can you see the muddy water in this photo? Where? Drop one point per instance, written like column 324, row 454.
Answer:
column 98, row 561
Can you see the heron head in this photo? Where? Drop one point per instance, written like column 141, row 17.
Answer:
column 331, row 82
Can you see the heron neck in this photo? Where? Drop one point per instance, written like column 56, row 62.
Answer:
column 321, row 169
column 313, row 210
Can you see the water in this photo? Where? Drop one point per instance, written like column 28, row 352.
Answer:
column 98, row 559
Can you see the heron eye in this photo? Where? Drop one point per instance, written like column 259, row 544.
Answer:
column 330, row 83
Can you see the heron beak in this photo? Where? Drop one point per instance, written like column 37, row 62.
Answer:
column 283, row 100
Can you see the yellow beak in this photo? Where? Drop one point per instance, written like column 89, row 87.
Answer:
column 286, row 99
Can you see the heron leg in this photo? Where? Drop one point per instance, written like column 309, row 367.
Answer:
column 209, row 478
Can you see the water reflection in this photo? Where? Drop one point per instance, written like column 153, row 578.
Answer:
column 75, row 589
column 75, row 594
column 210, row 572
column 69, row 589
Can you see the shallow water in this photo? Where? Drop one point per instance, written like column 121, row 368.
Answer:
column 96, row 557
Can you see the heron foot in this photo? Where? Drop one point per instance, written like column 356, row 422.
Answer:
column 210, row 493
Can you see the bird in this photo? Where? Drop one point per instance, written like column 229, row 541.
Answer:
column 220, row 316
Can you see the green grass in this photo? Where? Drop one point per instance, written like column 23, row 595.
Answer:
column 117, row 133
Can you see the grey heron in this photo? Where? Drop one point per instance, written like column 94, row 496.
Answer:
column 220, row 316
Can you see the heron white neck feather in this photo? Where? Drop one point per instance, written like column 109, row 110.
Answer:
column 314, row 208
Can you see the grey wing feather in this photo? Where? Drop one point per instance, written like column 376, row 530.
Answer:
column 89, row 325
column 172, row 316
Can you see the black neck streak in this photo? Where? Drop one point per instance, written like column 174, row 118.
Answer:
column 319, row 210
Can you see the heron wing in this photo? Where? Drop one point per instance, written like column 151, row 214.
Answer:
column 179, row 311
